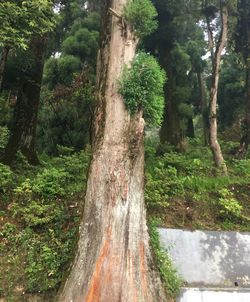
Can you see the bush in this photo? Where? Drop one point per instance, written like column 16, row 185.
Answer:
column 162, row 184
column 4, row 135
column 142, row 87
column 228, row 204
column 6, row 178
column 38, row 213
column 48, row 184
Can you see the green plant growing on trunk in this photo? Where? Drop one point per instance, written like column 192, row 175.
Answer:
column 141, row 14
column 141, row 86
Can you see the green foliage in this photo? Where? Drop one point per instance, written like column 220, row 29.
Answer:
column 141, row 86
column 65, row 120
column 168, row 273
column 48, row 184
column 161, row 185
column 37, row 213
column 141, row 15
column 21, row 19
column 51, row 182
column 83, row 44
column 229, row 205
column 61, row 70
column 186, row 110
column 5, row 111
column 42, row 240
column 241, row 167
column 6, row 178
column 4, row 135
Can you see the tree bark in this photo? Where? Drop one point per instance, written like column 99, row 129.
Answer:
column 190, row 128
column 3, row 61
column 113, row 261
column 23, row 133
column 204, row 108
column 170, row 131
column 216, row 60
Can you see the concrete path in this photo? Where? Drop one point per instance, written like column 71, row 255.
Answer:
column 214, row 259
column 214, row 265
column 218, row 295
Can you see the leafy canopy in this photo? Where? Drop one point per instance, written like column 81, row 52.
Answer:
column 142, row 87
column 21, row 19
column 141, row 15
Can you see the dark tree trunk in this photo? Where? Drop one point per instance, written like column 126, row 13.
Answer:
column 170, row 131
column 245, row 140
column 113, row 261
column 23, row 133
column 204, row 108
column 190, row 128
column 3, row 61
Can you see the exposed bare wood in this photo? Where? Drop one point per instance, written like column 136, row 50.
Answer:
column 113, row 261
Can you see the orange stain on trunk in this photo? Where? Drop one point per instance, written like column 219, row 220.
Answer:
column 94, row 292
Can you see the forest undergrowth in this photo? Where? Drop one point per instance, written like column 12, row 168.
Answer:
column 40, row 210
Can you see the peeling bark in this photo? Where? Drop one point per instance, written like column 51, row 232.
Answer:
column 113, row 261
column 216, row 60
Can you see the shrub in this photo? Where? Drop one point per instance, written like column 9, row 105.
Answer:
column 47, row 184
column 35, row 213
column 4, row 134
column 161, row 185
column 141, row 86
column 141, row 15
column 51, row 182
column 228, row 204
column 6, row 177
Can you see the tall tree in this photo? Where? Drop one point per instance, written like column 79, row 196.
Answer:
column 196, row 49
column 177, row 26
column 113, row 261
column 20, row 21
column 216, row 49
column 23, row 132
column 243, row 46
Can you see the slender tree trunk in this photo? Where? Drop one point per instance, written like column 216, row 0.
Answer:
column 3, row 61
column 204, row 108
column 113, row 261
column 214, row 144
column 23, row 133
column 190, row 128
column 171, row 127
column 245, row 140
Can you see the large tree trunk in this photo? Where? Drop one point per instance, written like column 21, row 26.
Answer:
column 113, row 261
column 170, row 131
column 3, row 61
column 216, row 58
column 204, row 108
column 23, row 133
